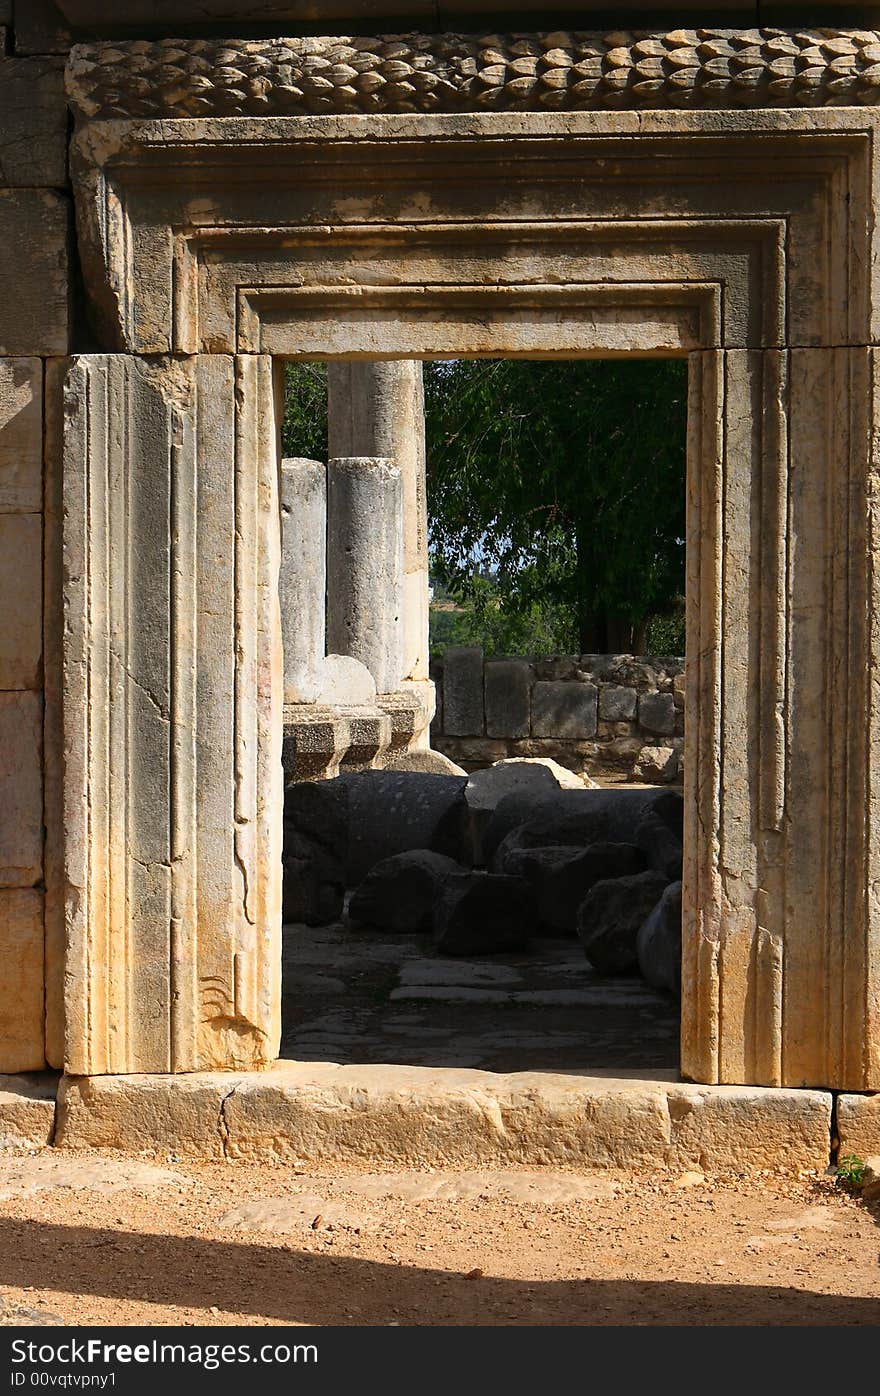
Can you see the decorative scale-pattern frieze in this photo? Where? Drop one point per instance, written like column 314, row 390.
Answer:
column 720, row 68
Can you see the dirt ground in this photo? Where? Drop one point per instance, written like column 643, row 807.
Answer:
column 98, row 1240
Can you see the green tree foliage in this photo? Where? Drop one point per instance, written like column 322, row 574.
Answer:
column 555, row 497
column 304, row 426
column 541, row 628
column 564, row 480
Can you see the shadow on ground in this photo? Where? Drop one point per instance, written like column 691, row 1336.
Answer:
column 283, row 1284
column 351, row 995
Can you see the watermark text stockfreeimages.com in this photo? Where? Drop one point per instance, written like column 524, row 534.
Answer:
column 96, row 1351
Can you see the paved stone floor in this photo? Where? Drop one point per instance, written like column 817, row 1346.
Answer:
column 360, row 996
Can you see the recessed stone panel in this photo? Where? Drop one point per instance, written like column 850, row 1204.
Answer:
column 21, row 986
column 33, row 122
column 21, row 789
column 21, row 434
column 21, row 586
column 34, row 291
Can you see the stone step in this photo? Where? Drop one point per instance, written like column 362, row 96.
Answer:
column 428, row 1117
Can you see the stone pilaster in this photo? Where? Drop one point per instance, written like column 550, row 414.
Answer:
column 172, row 714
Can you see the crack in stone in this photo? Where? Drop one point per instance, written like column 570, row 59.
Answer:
column 242, row 867
column 164, row 715
column 222, row 1125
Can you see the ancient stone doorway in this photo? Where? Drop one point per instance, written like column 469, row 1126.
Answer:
column 213, row 246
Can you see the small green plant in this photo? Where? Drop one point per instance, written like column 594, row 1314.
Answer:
column 850, row 1172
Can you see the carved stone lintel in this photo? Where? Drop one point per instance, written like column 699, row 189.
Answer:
column 702, row 68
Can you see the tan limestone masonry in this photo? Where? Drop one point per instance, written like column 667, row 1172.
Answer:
column 858, row 1125
column 27, row 1111
column 615, row 235
column 707, row 194
column 418, row 1116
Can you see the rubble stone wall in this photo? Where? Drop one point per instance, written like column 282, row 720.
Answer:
column 615, row 716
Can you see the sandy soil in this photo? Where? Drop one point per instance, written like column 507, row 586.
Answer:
column 116, row 1242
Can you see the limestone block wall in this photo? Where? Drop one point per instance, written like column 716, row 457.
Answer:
column 615, row 716
column 35, row 300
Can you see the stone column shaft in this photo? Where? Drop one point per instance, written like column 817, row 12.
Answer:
column 377, row 408
column 365, row 565
column 303, row 579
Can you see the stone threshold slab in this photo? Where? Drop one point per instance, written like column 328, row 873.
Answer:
column 27, row 1110
column 431, row 1117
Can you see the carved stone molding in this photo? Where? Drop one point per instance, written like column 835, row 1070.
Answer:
column 613, row 229
column 537, row 234
column 700, row 68
column 172, row 714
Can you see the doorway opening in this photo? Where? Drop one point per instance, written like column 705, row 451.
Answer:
column 503, row 890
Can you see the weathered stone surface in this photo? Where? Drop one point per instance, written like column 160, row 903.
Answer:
column 314, row 881
column 173, row 688
column 104, row 1176
column 581, row 71
column 180, row 1114
column 616, row 703
column 34, row 287
column 609, row 918
column 659, row 833
column 564, row 710
column 657, row 713
column 482, row 913
column 315, row 741
column 400, row 893
column 21, row 619
column 21, row 435
column 419, row 1117
column 369, row 737
column 410, row 711
column 377, row 408
column 659, row 942
column 21, row 988
column 302, row 581
column 40, row 27
column 858, row 1125
column 508, row 705
column 568, row 883
column 463, row 691
column 342, row 681
column 536, row 866
column 27, row 1110
column 314, row 852
column 21, row 789
column 530, row 778
column 365, row 565
column 574, row 817
column 33, row 122
column 657, row 763
column 392, row 812
column 426, row 762
column 543, row 1187
column 782, row 407
column 319, row 811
